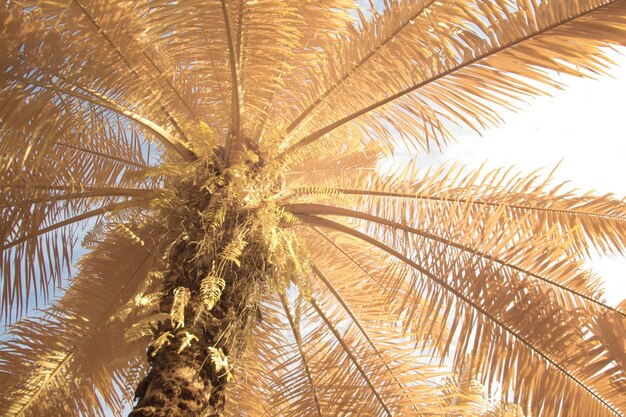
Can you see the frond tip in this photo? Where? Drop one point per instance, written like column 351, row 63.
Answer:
column 163, row 340
column 177, row 313
column 220, row 363
column 211, row 289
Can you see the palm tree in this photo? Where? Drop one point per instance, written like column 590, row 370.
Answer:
column 245, row 256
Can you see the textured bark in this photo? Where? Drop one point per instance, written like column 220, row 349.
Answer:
column 185, row 380
column 178, row 385
column 190, row 368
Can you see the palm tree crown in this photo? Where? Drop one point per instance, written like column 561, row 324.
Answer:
column 246, row 257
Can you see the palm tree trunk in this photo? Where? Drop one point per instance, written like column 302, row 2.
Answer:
column 180, row 385
column 192, row 354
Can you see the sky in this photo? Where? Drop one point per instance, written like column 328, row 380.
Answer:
column 582, row 128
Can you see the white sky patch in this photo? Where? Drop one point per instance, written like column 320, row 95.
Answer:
column 582, row 127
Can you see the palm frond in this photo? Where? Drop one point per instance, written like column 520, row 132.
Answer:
column 235, row 141
column 454, row 192
column 458, row 62
column 37, row 246
column 79, row 162
column 74, row 359
column 483, row 325
column 302, row 365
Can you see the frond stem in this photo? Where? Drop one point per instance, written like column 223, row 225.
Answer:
column 164, row 137
column 235, row 141
column 95, row 192
column 312, row 137
column 318, row 272
column 305, row 362
column 240, row 50
column 313, row 209
column 106, row 209
column 355, row 68
column 353, row 359
column 470, row 201
column 103, row 155
column 322, row 222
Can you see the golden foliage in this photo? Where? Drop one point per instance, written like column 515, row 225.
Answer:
column 242, row 139
column 130, row 234
column 211, row 289
column 186, row 339
column 234, row 248
column 145, row 327
column 76, row 356
column 177, row 313
column 220, row 362
column 159, row 342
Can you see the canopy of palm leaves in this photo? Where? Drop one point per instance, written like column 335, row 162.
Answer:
column 224, row 155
